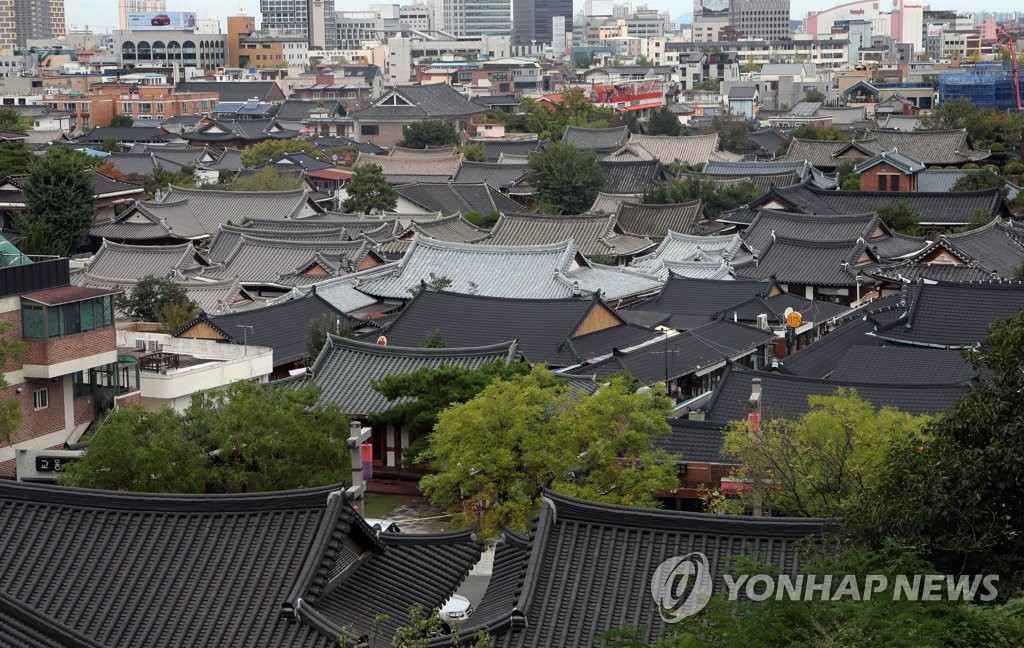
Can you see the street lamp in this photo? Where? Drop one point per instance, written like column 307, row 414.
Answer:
column 246, row 328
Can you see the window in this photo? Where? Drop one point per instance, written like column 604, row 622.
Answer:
column 883, row 182
column 369, row 129
column 41, row 398
column 40, row 322
column 145, row 107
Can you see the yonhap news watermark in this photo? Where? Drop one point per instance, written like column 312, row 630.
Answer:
column 683, row 585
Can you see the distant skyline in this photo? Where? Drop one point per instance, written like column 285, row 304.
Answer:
column 101, row 15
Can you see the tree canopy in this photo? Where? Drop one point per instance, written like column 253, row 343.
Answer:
column 59, row 203
column 732, row 131
column 247, row 438
column 978, row 180
column 429, row 133
column 369, row 191
column 496, row 453
column 899, row 216
column 122, row 121
column 664, row 122
column 10, row 414
column 12, row 121
column 158, row 299
column 14, row 158
column 549, row 120
column 985, row 126
column 268, row 150
column 565, row 179
column 692, row 186
column 268, row 179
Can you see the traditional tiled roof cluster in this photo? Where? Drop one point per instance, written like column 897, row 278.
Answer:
column 692, row 150
column 677, row 249
column 770, row 224
column 557, row 332
column 894, row 158
column 804, row 262
column 594, row 235
column 416, row 102
column 496, row 147
column 508, row 178
column 804, row 168
column 345, row 369
column 897, row 364
column 133, row 262
column 402, row 169
column 601, row 140
column 633, row 176
column 245, row 130
column 296, row 568
column 656, row 221
column 994, row 249
column 431, row 152
column 608, row 203
column 450, row 198
column 933, row 147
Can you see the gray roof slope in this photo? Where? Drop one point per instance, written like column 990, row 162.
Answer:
column 688, row 352
column 125, row 134
column 213, row 297
column 910, row 271
column 544, row 329
column 993, row 247
column 899, row 364
column 594, row 235
column 608, row 203
column 953, row 315
column 678, row 248
column 282, row 326
column 497, row 176
column 212, row 208
column 656, row 221
column 771, row 223
column 771, row 167
column 118, row 261
column 424, row 102
column 595, row 139
column 691, row 149
column 22, row 626
column 810, row 263
column 591, row 556
column 450, row 228
column 450, row 198
column 697, row 441
column 930, row 147
column 340, row 292
column 263, row 260
column 633, row 176
column 707, row 298
column 494, row 148
column 345, row 369
column 785, row 396
column 820, row 358
column 895, row 158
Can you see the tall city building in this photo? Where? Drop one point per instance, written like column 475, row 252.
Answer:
column 765, row 19
column 313, row 19
column 532, row 19
column 125, row 7
column 21, row 20
column 478, row 17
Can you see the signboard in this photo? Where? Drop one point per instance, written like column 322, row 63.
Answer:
column 43, row 465
column 714, row 8
column 167, row 21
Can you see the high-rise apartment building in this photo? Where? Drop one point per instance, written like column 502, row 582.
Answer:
column 532, row 19
column 478, row 17
column 125, row 7
column 21, row 20
column 761, row 19
column 313, row 19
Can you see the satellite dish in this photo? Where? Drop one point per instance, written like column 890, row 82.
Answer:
column 382, row 341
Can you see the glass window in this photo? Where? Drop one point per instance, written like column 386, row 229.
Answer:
column 32, row 322
column 71, row 316
column 41, row 398
column 88, row 311
column 53, row 321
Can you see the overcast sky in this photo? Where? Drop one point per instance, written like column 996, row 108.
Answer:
column 101, row 15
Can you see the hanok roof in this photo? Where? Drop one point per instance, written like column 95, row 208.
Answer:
column 707, row 299
column 656, row 221
column 904, row 123
column 451, row 198
column 133, row 262
column 212, row 208
column 501, row 177
column 693, row 149
column 930, row 147
column 688, row 352
column 558, row 332
column 235, row 90
column 899, row 364
column 993, row 248
column 495, row 147
column 771, row 167
column 812, row 263
column 608, row 203
column 260, row 260
column 829, row 154
column 439, row 152
column 345, row 369
column 340, row 292
column 762, row 181
column 953, row 315
column 594, row 235
column 401, row 169
column 585, row 558
column 785, row 396
column 677, row 248
column 246, row 130
column 633, row 176
column 282, row 326
column 893, row 158
column 602, row 140
column 126, row 134
column 213, row 297
column 770, row 224
column 415, row 102
column 177, row 563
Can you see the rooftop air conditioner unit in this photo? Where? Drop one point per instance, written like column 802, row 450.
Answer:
column 762, row 321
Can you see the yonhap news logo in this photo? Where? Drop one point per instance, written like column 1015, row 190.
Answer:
column 682, row 586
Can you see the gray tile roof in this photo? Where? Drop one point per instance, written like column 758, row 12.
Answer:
column 785, row 396
column 992, row 248
column 125, row 134
column 707, row 298
column 677, row 248
column 908, row 365
column 894, row 158
column 656, row 221
column 213, row 297
column 820, row 358
column 258, row 260
column 212, row 208
column 451, row 198
column 696, row 441
column 545, row 330
column 345, row 369
column 617, row 284
column 420, row 102
column 450, row 228
column 811, row 263
column 910, row 271
column 772, row 167
column 439, row 152
column 595, row 139
column 497, row 176
column 495, row 147
column 688, row 352
column 829, row 154
column 931, row 147
column 633, row 176
column 954, row 315
column 133, row 262
column 340, row 292
column 399, row 169
column 770, row 223
column 692, row 149
column 905, row 123
column 594, row 235
column 245, row 130
column 608, row 203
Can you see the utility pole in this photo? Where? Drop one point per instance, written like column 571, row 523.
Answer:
column 754, row 418
column 245, row 336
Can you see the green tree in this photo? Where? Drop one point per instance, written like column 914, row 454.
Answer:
column 565, row 179
column 899, row 216
column 246, row 438
column 952, row 114
column 423, row 630
column 319, row 330
column 956, row 496
column 850, row 183
column 429, row 133
column 814, row 95
column 664, row 122
column 268, row 150
column 162, row 179
column 122, row 121
column 111, row 145
column 15, row 159
column 10, row 414
column 369, row 191
column 708, row 85
column 815, row 132
column 732, row 131
column 818, row 464
column 474, row 152
column 692, row 186
column 11, row 121
column 979, row 180
column 149, row 298
column 268, row 179
column 59, row 204
column 485, row 221
column 496, row 453
column 434, row 340
column 644, row 61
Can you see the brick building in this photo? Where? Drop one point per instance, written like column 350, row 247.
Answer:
column 103, row 101
column 889, row 171
column 69, row 373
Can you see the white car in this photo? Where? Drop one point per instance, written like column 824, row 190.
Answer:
column 380, row 525
column 456, row 610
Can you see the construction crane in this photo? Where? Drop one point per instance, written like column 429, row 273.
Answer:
column 1013, row 66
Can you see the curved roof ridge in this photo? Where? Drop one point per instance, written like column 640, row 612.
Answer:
column 359, row 345
column 567, row 245
column 192, row 191
column 145, row 248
